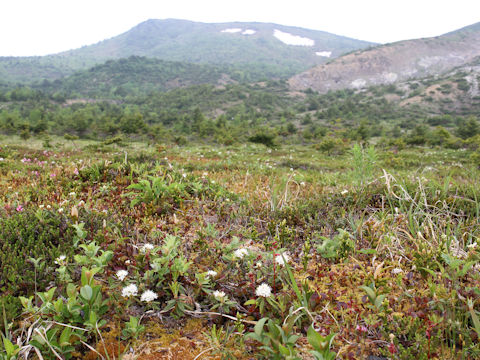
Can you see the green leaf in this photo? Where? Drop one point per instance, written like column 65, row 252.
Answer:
column 9, row 347
column 86, row 292
column 370, row 292
column 49, row 294
column 258, row 329
column 367, row 251
column 315, row 339
column 65, row 337
column 283, row 350
column 431, row 272
column 254, row 337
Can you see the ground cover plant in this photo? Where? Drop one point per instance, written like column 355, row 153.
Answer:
column 127, row 250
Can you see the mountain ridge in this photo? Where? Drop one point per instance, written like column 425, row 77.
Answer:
column 194, row 42
column 393, row 62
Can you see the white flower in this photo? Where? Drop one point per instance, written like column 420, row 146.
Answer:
column 72, row 193
column 263, row 290
column 344, row 192
column 60, row 210
column 1, row 159
column 279, row 259
column 472, row 246
column 148, row 296
column 258, row 265
column 146, row 247
column 122, row 274
column 130, row 290
column 211, row 273
column 219, row 295
column 60, row 259
column 397, row 271
column 240, row 253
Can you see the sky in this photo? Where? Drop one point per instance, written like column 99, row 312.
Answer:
column 41, row 27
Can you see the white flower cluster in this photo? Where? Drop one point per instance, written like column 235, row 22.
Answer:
column 147, row 247
column 263, row 290
column 279, row 259
column 148, row 296
column 130, row 290
column 122, row 274
column 211, row 273
column 219, row 295
column 240, row 253
column 60, row 260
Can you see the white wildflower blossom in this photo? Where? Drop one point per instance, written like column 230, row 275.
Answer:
column 263, row 290
column 240, row 253
column 397, row 271
column 472, row 246
column 148, row 296
column 60, row 259
column 60, row 210
column 219, row 295
column 212, row 273
column 130, row 290
column 122, row 274
column 147, row 247
column 344, row 192
column 279, row 259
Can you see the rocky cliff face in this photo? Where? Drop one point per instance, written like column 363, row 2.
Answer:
column 393, row 62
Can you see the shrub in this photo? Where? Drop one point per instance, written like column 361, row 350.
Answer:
column 28, row 235
column 263, row 138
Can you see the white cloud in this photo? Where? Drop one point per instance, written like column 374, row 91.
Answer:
column 290, row 39
column 324, row 53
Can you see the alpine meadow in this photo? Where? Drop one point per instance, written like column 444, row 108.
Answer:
column 241, row 190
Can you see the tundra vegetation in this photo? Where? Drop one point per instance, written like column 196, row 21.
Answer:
column 239, row 221
column 238, row 251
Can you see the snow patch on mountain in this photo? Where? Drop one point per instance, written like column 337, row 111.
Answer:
column 249, row 32
column 231, row 31
column 324, row 53
column 291, row 39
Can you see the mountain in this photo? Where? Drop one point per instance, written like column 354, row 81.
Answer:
column 280, row 51
column 393, row 62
